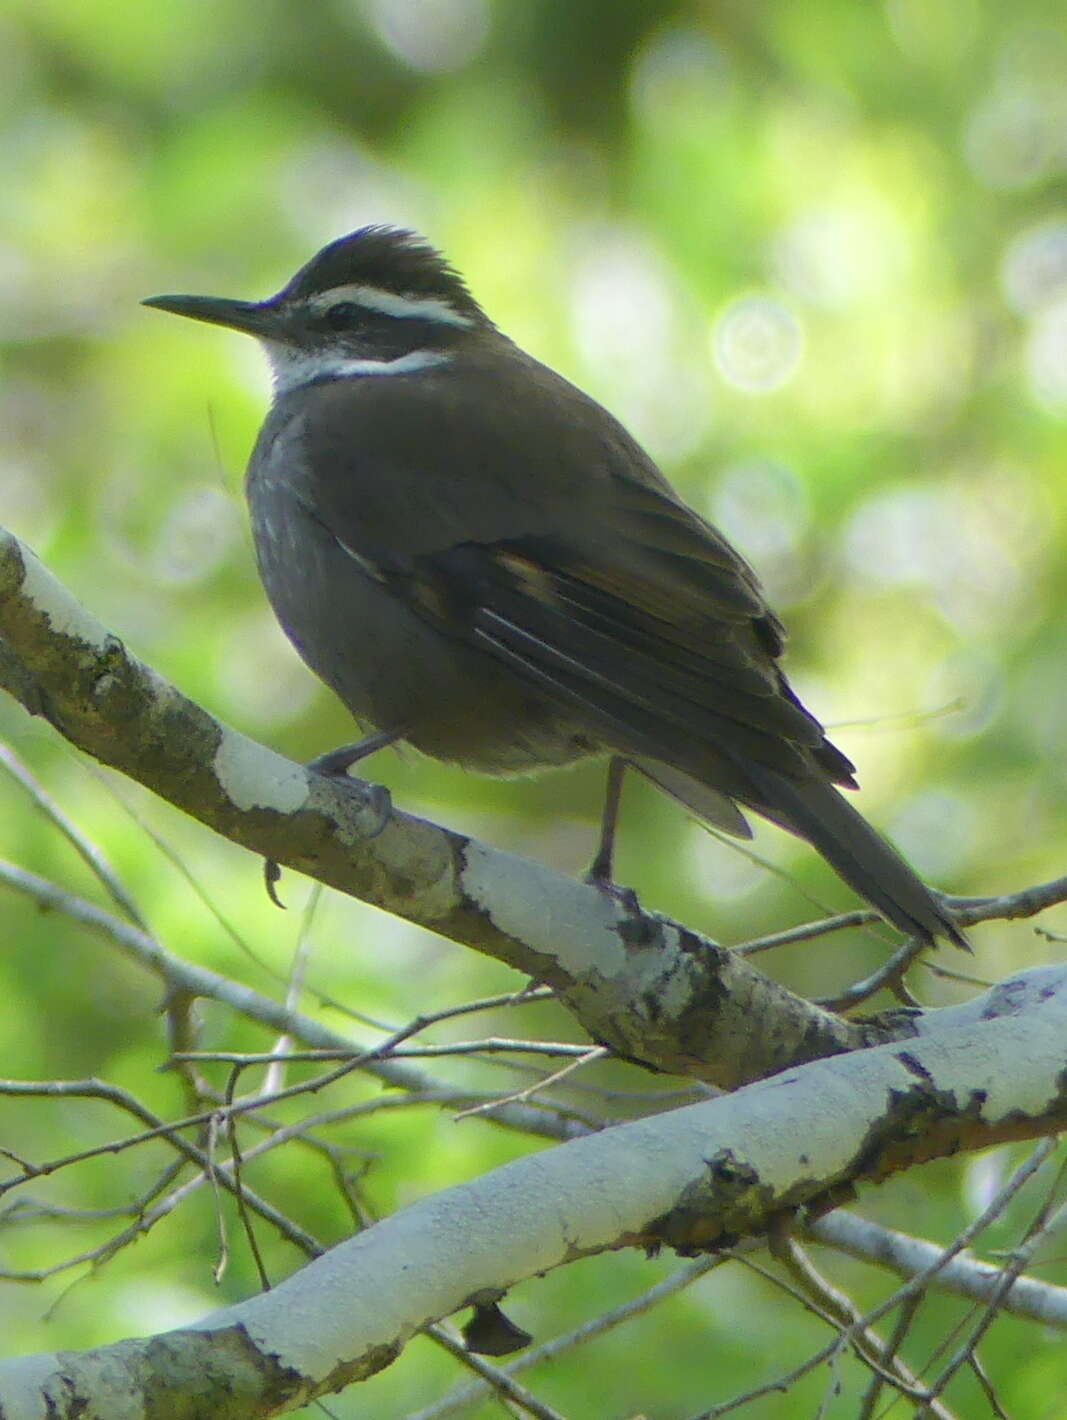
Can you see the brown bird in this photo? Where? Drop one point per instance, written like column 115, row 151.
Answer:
column 480, row 560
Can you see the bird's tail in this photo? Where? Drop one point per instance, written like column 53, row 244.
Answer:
column 816, row 811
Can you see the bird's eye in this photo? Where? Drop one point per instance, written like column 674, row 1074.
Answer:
column 342, row 315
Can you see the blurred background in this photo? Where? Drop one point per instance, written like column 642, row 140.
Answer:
column 814, row 254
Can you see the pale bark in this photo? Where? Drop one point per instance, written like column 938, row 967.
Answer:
column 837, row 1110
column 694, row 1178
column 649, row 987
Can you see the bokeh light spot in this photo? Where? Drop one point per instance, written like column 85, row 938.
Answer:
column 434, row 36
column 757, row 344
column 1046, row 357
column 1010, row 138
column 627, row 321
column 1034, row 268
column 195, row 536
column 970, row 548
column 678, row 69
column 935, row 830
column 762, row 508
column 833, row 256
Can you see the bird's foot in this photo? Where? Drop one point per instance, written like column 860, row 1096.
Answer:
column 626, row 897
column 335, row 765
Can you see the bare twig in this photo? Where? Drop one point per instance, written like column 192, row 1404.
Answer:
column 963, row 1275
column 85, row 848
column 839, row 1310
column 596, row 1053
column 461, row 1399
column 123, row 1101
column 913, row 1287
column 1048, row 1223
column 823, row 927
column 181, row 975
column 490, row 1045
column 908, row 1312
column 497, row 1380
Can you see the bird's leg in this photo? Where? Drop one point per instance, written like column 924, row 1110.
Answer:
column 601, row 867
column 600, row 870
column 335, row 764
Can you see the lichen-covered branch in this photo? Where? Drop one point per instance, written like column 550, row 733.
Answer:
column 648, row 987
column 693, row 1179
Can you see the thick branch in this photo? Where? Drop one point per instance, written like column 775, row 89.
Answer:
column 694, row 1179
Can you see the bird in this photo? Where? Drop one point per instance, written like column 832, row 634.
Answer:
column 480, row 561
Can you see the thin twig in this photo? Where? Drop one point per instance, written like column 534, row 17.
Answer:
column 85, row 848
column 908, row 1312
column 181, row 975
column 467, row 1396
column 122, row 1100
column 598, row 1052
column 490, row 1045
column 497, row 1379
column 239, row 1191
column 862, row 917
column 838, row 1308
column 913, row 1287
column 1045, row 1226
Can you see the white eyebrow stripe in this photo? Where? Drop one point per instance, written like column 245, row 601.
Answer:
column 291, row 367
column 389, row 303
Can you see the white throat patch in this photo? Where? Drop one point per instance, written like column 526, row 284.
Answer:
column 290, row 367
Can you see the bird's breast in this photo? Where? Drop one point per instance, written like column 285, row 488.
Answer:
column 389, row 664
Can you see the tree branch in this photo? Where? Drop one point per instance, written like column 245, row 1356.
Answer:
column 648, row 987
column 694, row 1179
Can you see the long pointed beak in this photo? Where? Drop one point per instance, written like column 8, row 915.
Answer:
column 254, row 318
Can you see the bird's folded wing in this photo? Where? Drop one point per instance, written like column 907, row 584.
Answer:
column 565, row 555
column 693, row 685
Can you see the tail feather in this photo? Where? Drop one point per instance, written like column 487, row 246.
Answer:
column 816, row 811
column 707, row 803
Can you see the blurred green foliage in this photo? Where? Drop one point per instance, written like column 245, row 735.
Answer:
column 814, row 253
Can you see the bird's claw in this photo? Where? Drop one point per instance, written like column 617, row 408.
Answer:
column 378, row 800
column 626, row 897
column 272, row 872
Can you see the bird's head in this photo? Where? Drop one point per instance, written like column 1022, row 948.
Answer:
column 379, row 301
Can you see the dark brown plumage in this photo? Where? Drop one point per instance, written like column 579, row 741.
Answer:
column 478, row 557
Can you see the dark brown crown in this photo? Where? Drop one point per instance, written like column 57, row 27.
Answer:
column 388, row 259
